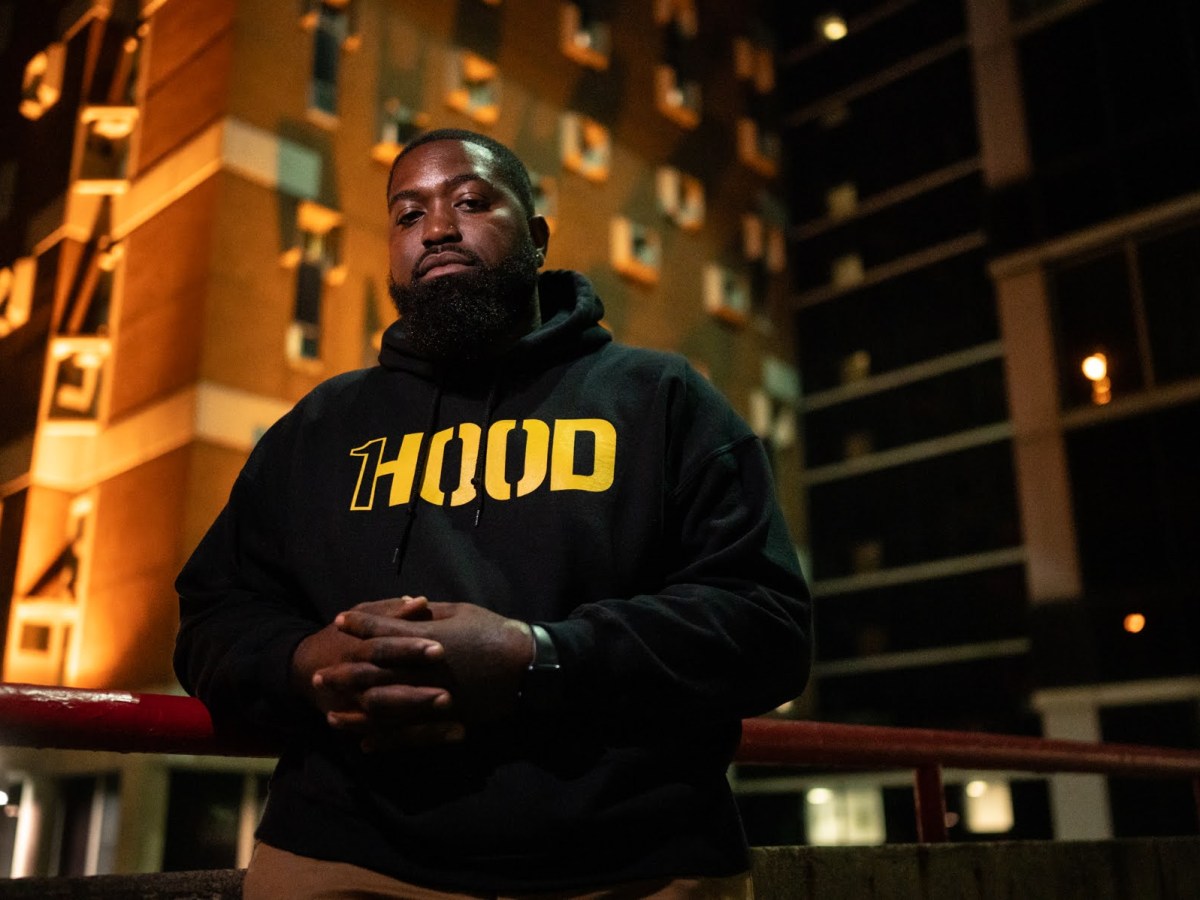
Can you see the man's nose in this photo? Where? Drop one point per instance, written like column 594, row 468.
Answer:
column 441, row 226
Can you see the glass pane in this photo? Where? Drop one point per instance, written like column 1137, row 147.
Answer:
column 1170, row 272
column 1093, row 314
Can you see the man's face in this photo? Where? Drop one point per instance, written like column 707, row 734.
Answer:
column 463, row 261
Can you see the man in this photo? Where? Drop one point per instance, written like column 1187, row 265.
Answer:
column 504, row 598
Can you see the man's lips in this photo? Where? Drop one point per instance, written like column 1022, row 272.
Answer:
column 441, row 259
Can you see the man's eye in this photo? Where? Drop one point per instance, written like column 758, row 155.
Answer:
column 407, row 216
column 473, row 203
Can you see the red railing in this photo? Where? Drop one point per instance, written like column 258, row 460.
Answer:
column 70, row 718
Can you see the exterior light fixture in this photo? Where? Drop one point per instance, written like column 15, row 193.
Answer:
column 1095, row 370
column 1134, row 623
column 819, row 796
column 832, row 27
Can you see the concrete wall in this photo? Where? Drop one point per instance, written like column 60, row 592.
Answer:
column 1160, row 869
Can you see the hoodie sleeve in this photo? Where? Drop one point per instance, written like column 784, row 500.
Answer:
column 240, row 616
column 728, row 632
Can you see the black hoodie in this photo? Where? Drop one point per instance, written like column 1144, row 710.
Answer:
column 606, row 492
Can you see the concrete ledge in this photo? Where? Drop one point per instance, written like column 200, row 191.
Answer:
column 1141, row 869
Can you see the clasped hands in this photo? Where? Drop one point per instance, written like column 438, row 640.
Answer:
column 410, row 672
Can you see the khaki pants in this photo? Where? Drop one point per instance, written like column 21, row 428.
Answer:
column 278, row 875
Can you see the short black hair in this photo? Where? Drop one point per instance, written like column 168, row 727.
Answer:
column 511, row 169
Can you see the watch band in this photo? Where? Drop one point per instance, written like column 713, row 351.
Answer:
column 542, row 685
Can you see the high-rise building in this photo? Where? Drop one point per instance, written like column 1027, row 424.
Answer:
column 193, row 235
column 997, row 301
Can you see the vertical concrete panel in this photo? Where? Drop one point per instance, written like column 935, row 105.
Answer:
column 1043, row 484
column 1079, row 805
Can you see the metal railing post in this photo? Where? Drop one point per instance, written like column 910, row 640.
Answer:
column 931, row 804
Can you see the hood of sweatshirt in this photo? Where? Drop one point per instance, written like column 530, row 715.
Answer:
column 570, row 312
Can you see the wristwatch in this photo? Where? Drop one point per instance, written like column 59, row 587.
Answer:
column 542, row 687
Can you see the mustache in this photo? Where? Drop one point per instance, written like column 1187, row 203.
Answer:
column 452, row 253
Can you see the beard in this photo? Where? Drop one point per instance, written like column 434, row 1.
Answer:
column 472, row 314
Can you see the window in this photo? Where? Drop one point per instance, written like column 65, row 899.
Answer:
column 764, row 242
column 1169, row 266
column 635, row 251
column 79, row 367
column 316, row 256
column 586, row 147
column 676, row 78
column 42, row 84
column 330, row 24
column 680, row 197
column 758, row 149
column 16, row 293
column 1093, row 314
column 474, row 88
column 398, row 124
column 726, row 294
column 754, row 63
column 103, row 141
column 45, row 614
column 584, row 36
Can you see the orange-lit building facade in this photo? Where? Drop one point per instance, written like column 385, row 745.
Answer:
column 192, row 236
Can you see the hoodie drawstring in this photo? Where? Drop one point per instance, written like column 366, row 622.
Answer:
column 477, row 481
column 419, row 479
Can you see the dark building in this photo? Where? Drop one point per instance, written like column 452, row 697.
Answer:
column 996, row 261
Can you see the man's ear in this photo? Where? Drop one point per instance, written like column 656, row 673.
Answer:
column 540, row 232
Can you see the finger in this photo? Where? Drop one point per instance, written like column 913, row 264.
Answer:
column 415, row 654
column 368, row 625
column 351, row 676
column 349, row 720
column 424, row 735
column 405, row 607
column 405, row 703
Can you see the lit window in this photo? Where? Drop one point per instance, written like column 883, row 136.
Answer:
column 726, row 294
column 79, row 369
column 754, row 63
column 988, row 807
column 474, row 88
column 676, row 82
column 676, row 98
column 93, row 283
column 330, row 24
column 103, row 141
column 764, row 242
column 583, row 36
column 844, row 815
column 855, row 366
column 43, row 639
column 841, row 200
column 16, row 293
column 586, row 147
column 680, row 13
column 847, row 270
column 316, row 255
column 758, row 149
column 42, row 84
column 398, row 124
column 635, row 251
column 680, row 197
